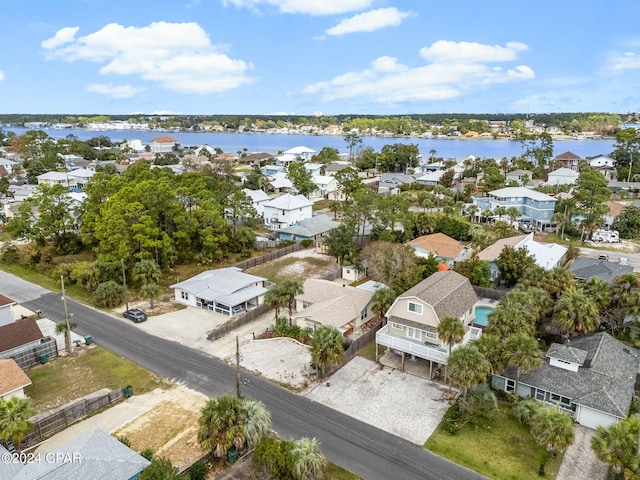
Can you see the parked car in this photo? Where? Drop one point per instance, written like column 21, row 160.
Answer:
column 136, row 315
column 603, row 257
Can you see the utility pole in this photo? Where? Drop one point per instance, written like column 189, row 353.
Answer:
column 66, row 316
column 630, row 165
column 238, row 367
column 124, row 283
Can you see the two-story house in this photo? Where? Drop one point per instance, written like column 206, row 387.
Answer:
column 413, row 318
column 567, row 160
column 285, row 210
column 533, row 206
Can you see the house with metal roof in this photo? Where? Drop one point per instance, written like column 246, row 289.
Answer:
column 591, row 377
column 285, row 210
column 95, row 455
column 534, row 206
column 413, row 318
column 314, row 228
column 228, row 291
column 562, row 176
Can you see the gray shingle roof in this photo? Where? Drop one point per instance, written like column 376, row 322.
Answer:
column 449, row 293
column 586, row 268
column 605, row 382
column 98, row 456
column 567, row 353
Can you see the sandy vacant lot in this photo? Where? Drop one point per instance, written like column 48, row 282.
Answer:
column 405, row 405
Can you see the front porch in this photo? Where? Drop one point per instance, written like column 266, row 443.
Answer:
column 415, row 348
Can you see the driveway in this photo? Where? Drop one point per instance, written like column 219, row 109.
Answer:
column 396, row 402
column 580, row 461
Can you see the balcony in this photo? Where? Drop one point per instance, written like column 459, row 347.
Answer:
column 422, row 350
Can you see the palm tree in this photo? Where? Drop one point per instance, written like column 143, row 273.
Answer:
column 275, row 299
column 500, row 211
column 502, row 228
column 150, row 291
column 13, row 420
column 553, row 429
column 308, row 461
column 146, row 271
column 576, row 312
column 232, row 422
column 450, row 331
column 291, row 288
column 513, row 213
column 467, row 367
column 61, row 327
column 617, row 444
column 491, row 347
column 510, row 317
column 257, row 422
column 382, row 300
column 522, row 352
column 487, row 215
column 335, row 206
column 471, row 211
column 326, row 347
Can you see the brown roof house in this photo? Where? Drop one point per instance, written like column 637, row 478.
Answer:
column 568, row 160
column 446, row 249
column 330, row 303
column 6, row 310
column 414, row 316
column 12, row 380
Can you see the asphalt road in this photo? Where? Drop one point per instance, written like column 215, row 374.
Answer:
column 614, row 256
column 360, row 448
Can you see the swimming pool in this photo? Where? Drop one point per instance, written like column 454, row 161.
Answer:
column 482, row 312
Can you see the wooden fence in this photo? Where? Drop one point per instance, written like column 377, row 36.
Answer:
column 46, row 350
column 353, row 348
column 61, row 419
column 267, row 257
column 246, row 317
column 490, row 293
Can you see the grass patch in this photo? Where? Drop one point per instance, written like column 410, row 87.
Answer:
column 501, row 448
column 68, row 378
column 321, row 205
column 276, row 270
column 334, row 472
column 369, row 351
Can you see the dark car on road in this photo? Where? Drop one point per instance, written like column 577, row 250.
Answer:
column 136, row 315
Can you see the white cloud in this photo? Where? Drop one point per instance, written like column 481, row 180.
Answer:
column 308, row 7
column 369, row 21
column 62, row 36
column 620, row 62
column 115, row 91
column 444, row 51
column 178, row 56
column 389, row 81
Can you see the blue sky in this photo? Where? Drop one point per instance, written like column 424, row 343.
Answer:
column 298, row 57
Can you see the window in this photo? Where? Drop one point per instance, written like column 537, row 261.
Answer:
column 184, row 295
column 432, row 335
column 414, row 333
column 397, row 326
column 415, row 308
column 363, row 314
column 282, row 212
column 305, row 304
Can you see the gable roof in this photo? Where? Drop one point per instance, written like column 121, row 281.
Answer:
column 256, row 196
column 288, row 202
column 228, row 285
column 439, row 244
column 567, row 156
column 449, row 293
column 5, row 301
column 564, row 172
column 18, row 333
column 310, row 227
column 586, row 268
column 492, row 252
column 164, row 139
column 102, row 457
column 332, row 303
column 567, row 353
column 604, row 382
column 11, row 377
column 298, row 150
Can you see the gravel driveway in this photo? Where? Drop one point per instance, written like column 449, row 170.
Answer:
column 399, row 403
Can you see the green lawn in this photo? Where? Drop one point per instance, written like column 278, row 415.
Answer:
column 334, row 472
column 68, row 378
column 502, row 448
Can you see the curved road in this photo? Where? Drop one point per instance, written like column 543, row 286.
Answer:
column 361, row 448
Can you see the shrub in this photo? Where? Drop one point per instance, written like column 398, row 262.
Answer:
column 198, row 471
column 306, row 243
column 451, row 419
column 125, row 441
column 108, row 294
column 10, row 254
column 147, row 453
column 273, row 459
